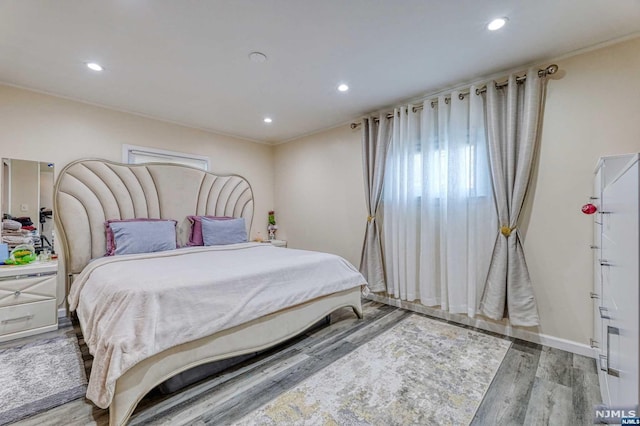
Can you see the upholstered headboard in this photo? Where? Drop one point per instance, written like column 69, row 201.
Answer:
column 88, row 192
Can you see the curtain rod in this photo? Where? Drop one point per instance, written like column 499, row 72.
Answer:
column 550, row 70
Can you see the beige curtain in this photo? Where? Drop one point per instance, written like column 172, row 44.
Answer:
column 513, row 117
column 376, row 135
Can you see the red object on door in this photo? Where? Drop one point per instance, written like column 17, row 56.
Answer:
column 589, row 209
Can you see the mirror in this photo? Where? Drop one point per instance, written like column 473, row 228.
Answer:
column 27, row 198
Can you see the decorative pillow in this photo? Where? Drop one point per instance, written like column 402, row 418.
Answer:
column 220, row 232
column 129, row 236
column 195, row 239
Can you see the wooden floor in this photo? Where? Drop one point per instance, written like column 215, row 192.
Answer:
column 535, row 385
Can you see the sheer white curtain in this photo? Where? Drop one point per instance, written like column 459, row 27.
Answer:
column 439, row 213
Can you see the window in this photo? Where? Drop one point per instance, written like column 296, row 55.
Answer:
column 438, row 172
column 132, row 154
column 440, row 218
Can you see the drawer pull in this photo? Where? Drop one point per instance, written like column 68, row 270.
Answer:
column 24, row 318
column 594, row 295
column 604, row 262
column 603, row 309
column 603, row 358
column 593, row 247
column 593, row 343
column 24, row 276
column 611, row 371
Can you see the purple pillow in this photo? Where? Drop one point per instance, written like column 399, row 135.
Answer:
column 195, row 239
column 111, row 244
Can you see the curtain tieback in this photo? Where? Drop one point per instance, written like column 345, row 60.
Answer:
column 506, row 231
column 371, row 218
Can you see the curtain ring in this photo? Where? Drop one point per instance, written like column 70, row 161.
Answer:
column 433, row 104
column 446, row 100
column 461, row 96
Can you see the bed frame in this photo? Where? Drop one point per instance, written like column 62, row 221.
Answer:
column 88, row 192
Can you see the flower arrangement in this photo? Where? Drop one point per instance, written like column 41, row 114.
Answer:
column 272, row 227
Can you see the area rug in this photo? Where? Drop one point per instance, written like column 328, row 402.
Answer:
column 421, row 371
column 38, row 376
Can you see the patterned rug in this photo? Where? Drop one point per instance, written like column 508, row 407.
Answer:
column 38, row 376
column 421, row 371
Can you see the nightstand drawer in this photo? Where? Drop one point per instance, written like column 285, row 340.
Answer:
column 27, row 316
column 27, row 290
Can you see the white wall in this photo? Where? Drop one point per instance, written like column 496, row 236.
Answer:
column 593, row 109
column 39, row 127
column 320, row 202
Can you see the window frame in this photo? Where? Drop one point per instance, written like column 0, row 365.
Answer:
column 171, row 156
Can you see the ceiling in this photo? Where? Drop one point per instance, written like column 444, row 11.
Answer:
column 187, row 61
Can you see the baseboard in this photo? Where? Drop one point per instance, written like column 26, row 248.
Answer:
column 62, row 312
column 487, row 325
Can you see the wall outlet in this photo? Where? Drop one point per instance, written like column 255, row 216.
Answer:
column 24, row 207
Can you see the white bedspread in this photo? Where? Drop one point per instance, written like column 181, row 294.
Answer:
column 135, row 306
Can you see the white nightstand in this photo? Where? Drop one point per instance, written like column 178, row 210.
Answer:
column 279, row 243
column 28, row 303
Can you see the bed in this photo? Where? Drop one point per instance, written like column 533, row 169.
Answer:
column 147, row 317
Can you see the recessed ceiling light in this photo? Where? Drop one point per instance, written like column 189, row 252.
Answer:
column 343, row 87
column 268, row 120
column 496, row 24
column 95, row 67
column 257, row 57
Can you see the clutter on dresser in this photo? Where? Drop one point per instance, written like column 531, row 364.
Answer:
column 21, row 255
column 15, row 232
column 25, row 203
